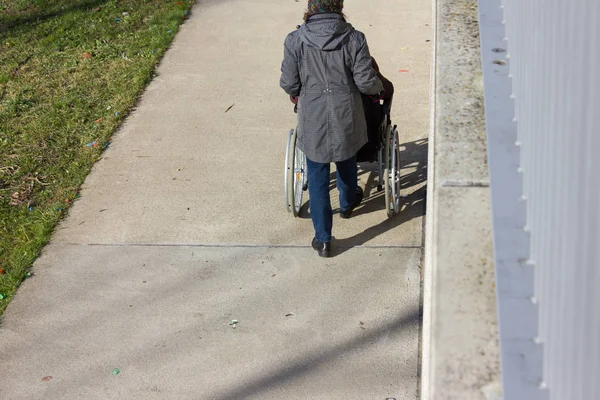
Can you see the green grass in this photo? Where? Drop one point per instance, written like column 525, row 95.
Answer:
column 70, row 70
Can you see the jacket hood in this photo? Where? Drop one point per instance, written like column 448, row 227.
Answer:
column 325, row 31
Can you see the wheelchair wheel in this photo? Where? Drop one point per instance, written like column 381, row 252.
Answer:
column 296, row 176
column 391, row 173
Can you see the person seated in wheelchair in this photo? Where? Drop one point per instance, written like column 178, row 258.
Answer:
column 374, row 113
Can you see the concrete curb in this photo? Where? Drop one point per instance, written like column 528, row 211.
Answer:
column 460, row 357
column 426, row 355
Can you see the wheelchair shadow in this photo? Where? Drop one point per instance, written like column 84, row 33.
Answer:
column 414, row 159
column 413, row 207
column 304, row 211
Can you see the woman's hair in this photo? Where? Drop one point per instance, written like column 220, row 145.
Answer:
column 324, row 6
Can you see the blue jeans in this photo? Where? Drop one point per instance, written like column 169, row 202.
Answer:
column 318, row 189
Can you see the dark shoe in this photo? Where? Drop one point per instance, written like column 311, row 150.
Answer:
column 323, row 248
column 358, row 198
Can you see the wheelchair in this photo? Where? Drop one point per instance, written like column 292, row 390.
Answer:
column 296, row 174
column 383, row 148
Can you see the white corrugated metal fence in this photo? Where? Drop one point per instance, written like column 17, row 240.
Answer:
column 541, row 63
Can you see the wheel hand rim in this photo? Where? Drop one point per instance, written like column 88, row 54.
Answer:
column 299, row 178
column 395, row 173
column 287, row 171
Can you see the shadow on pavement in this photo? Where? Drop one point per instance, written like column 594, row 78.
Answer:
column 413, row 158
column 308, row 363
column 414, row 207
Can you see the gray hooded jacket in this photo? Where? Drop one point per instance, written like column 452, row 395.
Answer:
column 327, row 65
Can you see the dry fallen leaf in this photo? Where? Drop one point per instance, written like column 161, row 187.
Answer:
column 86, row 56
column 15, row 199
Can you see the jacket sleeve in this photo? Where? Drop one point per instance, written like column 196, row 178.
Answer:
column 290, row 75
column 365, row 76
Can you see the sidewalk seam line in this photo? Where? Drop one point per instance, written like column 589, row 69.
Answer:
column 233, row 246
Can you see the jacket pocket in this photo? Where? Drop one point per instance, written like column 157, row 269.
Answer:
column 343, row 113
column 314, row 119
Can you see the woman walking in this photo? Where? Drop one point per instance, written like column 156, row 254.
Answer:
column 326, row 67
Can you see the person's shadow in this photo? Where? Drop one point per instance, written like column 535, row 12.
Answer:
column 413, row 157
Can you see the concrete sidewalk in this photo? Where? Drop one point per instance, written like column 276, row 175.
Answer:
column 182, row 228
